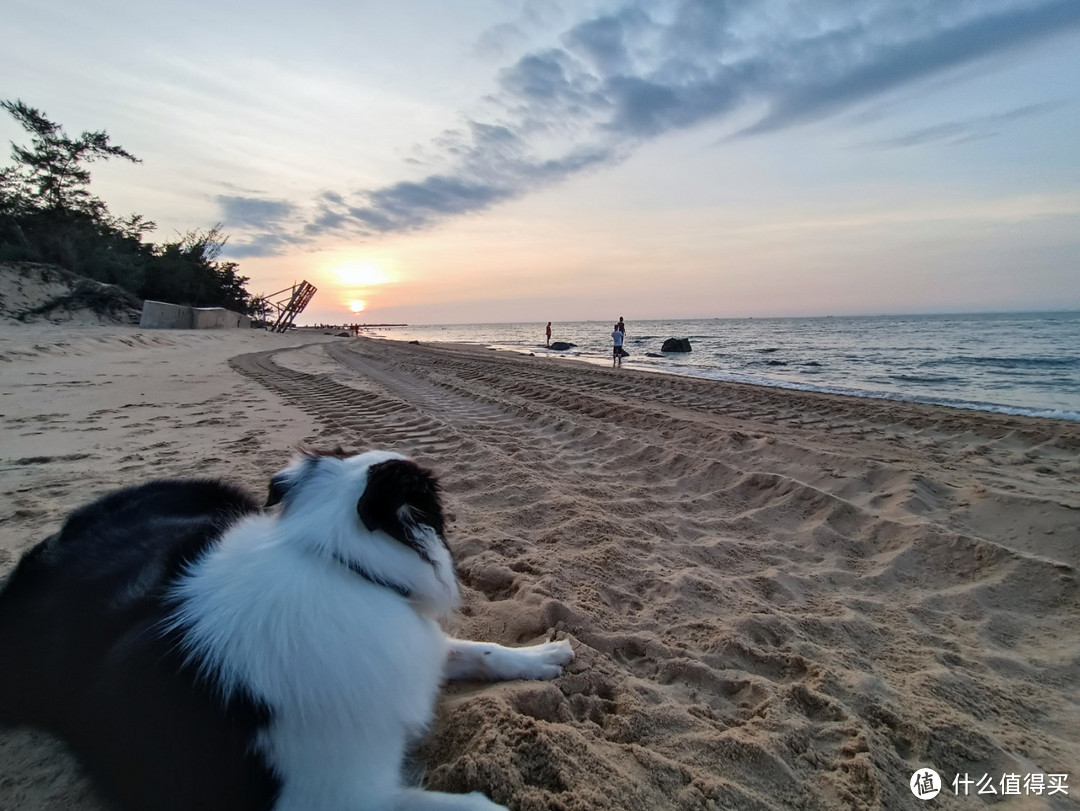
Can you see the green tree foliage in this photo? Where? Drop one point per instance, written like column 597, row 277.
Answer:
column 189, row 270
column 53, row 168
column 47, row 214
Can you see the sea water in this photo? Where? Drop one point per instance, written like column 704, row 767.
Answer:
column 1014, row 363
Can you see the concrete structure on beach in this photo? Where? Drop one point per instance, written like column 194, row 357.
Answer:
column 161, row 315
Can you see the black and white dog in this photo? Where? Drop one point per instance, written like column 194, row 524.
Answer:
column 203, row 653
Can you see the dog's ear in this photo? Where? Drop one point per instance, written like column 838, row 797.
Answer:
column 280, row 484
column 400, row 495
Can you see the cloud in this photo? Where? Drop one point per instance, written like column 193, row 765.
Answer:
column 234, row 188
column 841, row 70
column 254, row 211
column 408, row 205
column 263, row 244
column 650, row 67
column 962, row 131
column 497, row 41
column 268, row 224
column 607, row 42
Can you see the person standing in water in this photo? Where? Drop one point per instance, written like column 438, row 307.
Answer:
column 549, row 333
column 617, row 342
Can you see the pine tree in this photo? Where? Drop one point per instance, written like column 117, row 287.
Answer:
column 51, row 174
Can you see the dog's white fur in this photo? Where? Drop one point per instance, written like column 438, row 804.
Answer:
column 349, row 667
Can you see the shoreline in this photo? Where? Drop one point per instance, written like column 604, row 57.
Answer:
column 997, row 367
column 885, row 399
column 777, row 599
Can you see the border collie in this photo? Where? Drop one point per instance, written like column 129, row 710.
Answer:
column 202, row 653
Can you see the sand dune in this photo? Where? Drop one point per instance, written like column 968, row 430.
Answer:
column 32, row 292
column 778, row 599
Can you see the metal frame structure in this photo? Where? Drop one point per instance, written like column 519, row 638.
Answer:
column 286, row 305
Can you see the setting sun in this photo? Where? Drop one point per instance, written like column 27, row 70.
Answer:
column 363, row 274
column 356, row 306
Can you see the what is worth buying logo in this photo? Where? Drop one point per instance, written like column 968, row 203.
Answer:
column 925, row 784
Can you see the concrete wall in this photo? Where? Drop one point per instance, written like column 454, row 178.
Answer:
column 160, row 315
column 218, row 318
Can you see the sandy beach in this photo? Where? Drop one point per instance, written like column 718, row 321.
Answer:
column 777, row 599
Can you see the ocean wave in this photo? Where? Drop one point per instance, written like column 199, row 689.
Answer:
column 928, row 379
column 1000, row 362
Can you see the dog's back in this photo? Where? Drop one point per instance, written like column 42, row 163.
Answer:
column 83, row 652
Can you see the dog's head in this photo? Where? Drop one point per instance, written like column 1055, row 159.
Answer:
column 377, row 514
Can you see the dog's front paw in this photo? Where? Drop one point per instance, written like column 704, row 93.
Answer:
column 547, row 660
column 493, row 662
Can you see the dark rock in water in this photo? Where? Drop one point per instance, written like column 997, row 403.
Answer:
column 653, row 355
column 561, row 346
column 342, row 335
column 676, row 345
column 417, row 343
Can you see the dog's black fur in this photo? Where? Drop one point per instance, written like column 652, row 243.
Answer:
column 82, row 653
column 203, row 653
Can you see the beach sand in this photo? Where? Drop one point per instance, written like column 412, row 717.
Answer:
column 778, row 599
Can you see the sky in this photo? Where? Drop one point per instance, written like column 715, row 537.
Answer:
column 477, row 161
